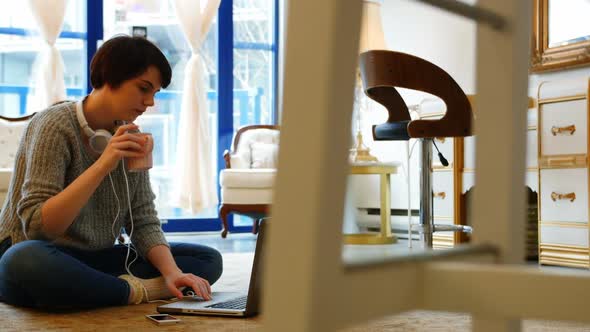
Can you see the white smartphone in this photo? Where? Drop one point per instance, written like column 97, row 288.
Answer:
column 163, row 319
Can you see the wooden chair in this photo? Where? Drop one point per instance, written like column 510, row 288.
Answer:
column 384, row 71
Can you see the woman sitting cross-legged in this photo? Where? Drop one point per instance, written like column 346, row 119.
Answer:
column 71, row 193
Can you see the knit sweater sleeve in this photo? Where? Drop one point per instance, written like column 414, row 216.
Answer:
column 46, row 156
column 147, row 229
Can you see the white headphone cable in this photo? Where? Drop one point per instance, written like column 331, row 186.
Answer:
column 128, row 266
column 118, row 209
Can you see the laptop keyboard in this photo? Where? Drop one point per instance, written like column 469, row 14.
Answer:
column 238, row 303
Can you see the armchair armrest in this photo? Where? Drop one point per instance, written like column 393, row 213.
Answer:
column 227, row 158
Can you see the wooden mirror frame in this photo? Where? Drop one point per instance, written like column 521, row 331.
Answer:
column 545, row 58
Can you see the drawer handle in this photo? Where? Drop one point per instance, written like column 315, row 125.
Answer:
column 440, row 139
column 560, row 130
column 561, row 160
column 441, row 194
column 571, row 196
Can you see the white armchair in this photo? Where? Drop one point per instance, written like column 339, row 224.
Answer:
column 11, row 130
column 248, row 179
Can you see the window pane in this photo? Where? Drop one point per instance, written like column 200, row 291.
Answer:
column 16, row 14
column 19, row 52
column 252, row 87
column 159, row 19
column 253, row 21
column 253, row 67
column 253, row 62
column 75, row 19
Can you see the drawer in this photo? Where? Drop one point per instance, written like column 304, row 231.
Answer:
column 563, row 128
column 556, row 182
column 442, row 189
column 468, row 181
column 531, row 180
column 469, row 153
column 531, row 117
column 531, row 149
column 573, row 236
column 562, row 88
column 446, row 147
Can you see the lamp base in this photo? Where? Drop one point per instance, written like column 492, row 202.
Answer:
column 360, row 152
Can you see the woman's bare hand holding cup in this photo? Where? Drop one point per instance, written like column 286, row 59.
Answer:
column 122, row 145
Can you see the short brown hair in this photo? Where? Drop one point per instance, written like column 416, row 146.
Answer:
column 124, row 57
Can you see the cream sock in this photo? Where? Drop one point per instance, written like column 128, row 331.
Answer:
column 145, row 290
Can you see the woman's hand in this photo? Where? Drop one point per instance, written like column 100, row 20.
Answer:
column 122, row 145
column 177, row 280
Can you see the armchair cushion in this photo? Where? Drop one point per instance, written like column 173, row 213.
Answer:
column 10, row 134
column 242, row 156
column 247, row 178
column 246, row 196
column 264, row 155
column 247, row 186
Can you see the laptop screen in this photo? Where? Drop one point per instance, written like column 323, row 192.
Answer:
column 255, row 288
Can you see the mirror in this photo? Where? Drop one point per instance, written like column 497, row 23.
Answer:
column 561, row 34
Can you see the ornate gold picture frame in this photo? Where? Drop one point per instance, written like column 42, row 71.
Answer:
column 573, row 53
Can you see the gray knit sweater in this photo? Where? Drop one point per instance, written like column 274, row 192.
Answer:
column 52, row 155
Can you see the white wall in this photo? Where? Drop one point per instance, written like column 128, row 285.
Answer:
column 444, row 39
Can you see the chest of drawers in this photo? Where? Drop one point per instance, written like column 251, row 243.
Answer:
column 563, row 173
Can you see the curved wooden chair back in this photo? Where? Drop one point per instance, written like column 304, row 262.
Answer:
column 383, row 71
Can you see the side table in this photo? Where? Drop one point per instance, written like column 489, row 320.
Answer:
column 384, row 236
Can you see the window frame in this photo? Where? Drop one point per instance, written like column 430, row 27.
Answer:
column 225, row 122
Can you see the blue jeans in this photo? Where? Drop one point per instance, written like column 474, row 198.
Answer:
column 40, row 274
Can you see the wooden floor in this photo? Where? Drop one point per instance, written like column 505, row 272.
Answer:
column 238, row 248
column 124, row 319
column 131, row 318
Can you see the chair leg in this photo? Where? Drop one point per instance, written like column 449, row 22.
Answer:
column 223, row 212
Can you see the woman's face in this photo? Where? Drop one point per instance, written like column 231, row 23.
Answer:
column 134, row 96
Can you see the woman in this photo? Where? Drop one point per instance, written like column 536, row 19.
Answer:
column 69, row 196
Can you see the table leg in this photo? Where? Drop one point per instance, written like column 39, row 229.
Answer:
column 385, row 236
column 385, row 205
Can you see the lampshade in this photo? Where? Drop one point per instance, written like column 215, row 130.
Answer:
column 372, row 37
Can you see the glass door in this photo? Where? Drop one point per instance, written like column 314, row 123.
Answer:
column 156, row 20
column 254, row 67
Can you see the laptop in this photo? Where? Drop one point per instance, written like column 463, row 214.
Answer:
column 233, row 304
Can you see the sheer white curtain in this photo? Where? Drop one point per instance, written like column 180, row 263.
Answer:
column 195, row 186
column 49, row 67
